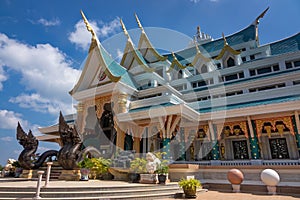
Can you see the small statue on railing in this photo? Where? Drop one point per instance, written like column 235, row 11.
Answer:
column 152, row 162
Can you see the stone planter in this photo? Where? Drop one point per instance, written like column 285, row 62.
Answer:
column 190, row 192
column 162, row 178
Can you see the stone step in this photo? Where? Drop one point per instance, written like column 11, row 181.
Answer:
column 98, row 193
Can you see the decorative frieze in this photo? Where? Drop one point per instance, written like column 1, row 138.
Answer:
column 278, row 124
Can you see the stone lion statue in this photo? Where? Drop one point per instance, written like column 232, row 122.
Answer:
column 152, row 162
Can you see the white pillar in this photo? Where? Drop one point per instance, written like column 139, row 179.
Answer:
column 48, row 173
column 38, row 188
column 211, row 130
column 297, row 121
column 250, row 127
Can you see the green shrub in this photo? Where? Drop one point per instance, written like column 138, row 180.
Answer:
column 189, row 183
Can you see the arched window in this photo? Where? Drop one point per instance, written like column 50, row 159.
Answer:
column 204, row 69
column 230, row 62
column 180, row 74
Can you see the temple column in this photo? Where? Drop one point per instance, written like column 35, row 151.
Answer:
column 257, row 141
column 296, row 126
column 182, row 144
column 136, row 144
column 79, row 120
column 166, row 147
column 255, row 154
column 120, row 139
column 214, row 141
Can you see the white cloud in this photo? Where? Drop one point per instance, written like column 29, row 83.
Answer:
column 10, row 119
column 45, row 71
column 7, row 139
column 82, row 38
column 40, row 104
column 109, row 28
column 119, row 55
column 3, row 77
column 53, row 22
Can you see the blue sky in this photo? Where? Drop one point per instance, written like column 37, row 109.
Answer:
column 43, row 43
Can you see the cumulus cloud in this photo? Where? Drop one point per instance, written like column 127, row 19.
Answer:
column 45, row 22
column 7, row 139
column 3, row 77
column 10, row 119
column 82, row 38
column 40, row 104
column 45, row 72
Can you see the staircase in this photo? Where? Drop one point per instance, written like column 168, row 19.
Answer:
column 136, row 191
column 56, row 170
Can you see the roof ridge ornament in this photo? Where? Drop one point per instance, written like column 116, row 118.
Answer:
column 225, row 41
column 125, row 30
column 256, row 21
column 138, row 22
column 87, row 24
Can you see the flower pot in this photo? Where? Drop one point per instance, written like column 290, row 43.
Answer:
column 84, row 174
column 162, row 178
column 133, row 177
column 190, row 192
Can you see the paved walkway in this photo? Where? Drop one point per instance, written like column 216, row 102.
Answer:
column 214, row 195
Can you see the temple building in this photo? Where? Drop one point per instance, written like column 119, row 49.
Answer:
column 223, row 100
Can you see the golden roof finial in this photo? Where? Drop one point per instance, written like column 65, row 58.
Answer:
column 87, row 24
column 256, row 21
column 124, row 28
column 196, row 45
column 224, row 38
column 173, row 54
column 138, row 22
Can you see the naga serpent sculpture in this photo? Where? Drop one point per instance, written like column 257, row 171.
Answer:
column 71, row 152
column 72, row 149
column 30, row 145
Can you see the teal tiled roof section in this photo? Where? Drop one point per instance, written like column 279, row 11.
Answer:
column 128, row 80
column 112, row 65
column 290, row 44
column 251, row 104
column 116, row 69
column 245, row 35
column 138, row 53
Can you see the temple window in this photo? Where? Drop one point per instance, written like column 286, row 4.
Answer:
column 204, row 69
column 180, row 74
column 230, row 62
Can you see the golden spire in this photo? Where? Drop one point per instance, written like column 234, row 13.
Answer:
column 224, row 38
column 256, row 21
column 174, row 55
column 138, row 22
column 197, row 48
column 124, row 29
column 87, row 24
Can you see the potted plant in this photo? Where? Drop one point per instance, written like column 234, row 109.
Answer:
column 137, row 167
column 189, row 187
column 85, row 166
column 162, row 172
column 103, row 165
